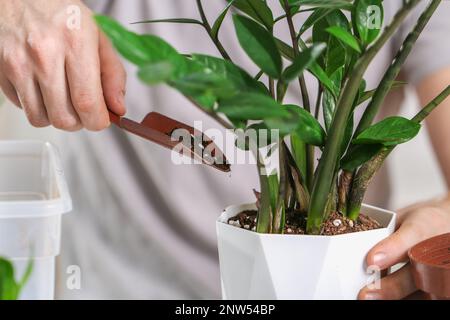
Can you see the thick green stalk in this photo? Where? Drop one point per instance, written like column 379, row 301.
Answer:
column 362, row 180
column 392, row 73
column 345, row 180
column 432, row 105
column 309, row 149
column 301, row 193
column 281, row 205
column 394, row 69
column 318, row 101
column 265, row 217
column 327, row 165
column 368, row 170
column 299, row 154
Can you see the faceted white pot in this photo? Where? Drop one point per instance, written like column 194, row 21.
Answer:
column 304, row 267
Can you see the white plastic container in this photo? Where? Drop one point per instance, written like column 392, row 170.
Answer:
column 303, row 267
column 33, row 196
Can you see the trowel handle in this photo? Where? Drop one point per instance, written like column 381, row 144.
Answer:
column 114, row 118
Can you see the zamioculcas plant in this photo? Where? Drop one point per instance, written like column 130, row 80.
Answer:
column 9, row 288
column 338, row 55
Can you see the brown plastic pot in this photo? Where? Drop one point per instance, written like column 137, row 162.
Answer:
column 430, row 261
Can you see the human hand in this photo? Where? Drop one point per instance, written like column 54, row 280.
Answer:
column 415, row 224
column 59, row 75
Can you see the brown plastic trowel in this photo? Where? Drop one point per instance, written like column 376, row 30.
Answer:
column 430, row 261
column 158, row 128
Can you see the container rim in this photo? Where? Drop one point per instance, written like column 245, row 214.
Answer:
column 37, row 208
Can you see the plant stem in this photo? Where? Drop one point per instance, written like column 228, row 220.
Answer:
column 258, row 75
column 309, row 149
column 368, row 170
column 328, row 163
column 301, row 193
column 318, row 101
column 432, row 105
column 345, row 180
column 264, row 218
column 394, row 69
column 384, row 88
column 362, row 180
column 272, row 88
column 281, row 205
column 301, row 79
column 207, row 27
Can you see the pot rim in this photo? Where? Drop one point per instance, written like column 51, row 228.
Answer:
column 220, row 221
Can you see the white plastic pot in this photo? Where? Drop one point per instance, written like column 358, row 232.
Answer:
column 33, row 196
column 304, row 267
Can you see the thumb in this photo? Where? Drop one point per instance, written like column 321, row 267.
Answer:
column 113, row 76
column 416, row 226
column 394, row 249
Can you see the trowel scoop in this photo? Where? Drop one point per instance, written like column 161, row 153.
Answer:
column 159, row 129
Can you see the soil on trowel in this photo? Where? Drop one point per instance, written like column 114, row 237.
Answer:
column 296, row 223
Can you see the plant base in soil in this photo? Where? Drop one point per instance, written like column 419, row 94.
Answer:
column 296, row 223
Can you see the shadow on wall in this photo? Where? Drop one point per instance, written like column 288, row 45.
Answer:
column 412, row 181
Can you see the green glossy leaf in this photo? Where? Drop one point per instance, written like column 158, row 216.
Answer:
column 205, row 84
column 139, row 49
column 336, row 54
column 259, row 44
column 345, row 36
column 251, row 106
column 335, row 4
column 218, row 23
column 358, row 155
column 309, row 129
column 315, row 68
column 256, row 9
column 157, row 72
column 259, row 133
column 389, row 132
column 321, row 75
column 303, row 61
column 328, row 107
column 367, row 18
column 314, row 18
column 285, row 49
column 335, row 18
column 241, row 80
column 172, row 20
column 328, row 100
column 285, row 125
